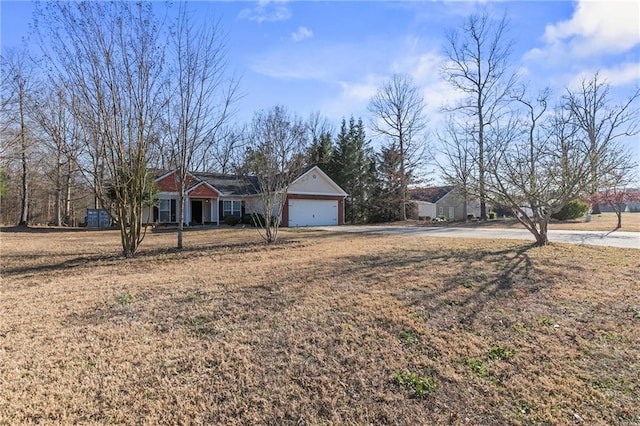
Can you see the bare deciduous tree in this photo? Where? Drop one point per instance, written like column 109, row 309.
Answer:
column 398, row 114
column 478, row 65
column 457, row 166
column 274, row 158
column 110, row 59
column 200, row 98
column 601, row 123
column 222, row 152
column 619, row 190
column 529, row 172
column 17, row 134
column 543, row 160
column 61, row 140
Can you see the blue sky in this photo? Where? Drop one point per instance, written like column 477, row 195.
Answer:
column 331, row 56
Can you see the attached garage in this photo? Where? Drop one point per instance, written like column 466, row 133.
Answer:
column 313, row 212
column 314, row 199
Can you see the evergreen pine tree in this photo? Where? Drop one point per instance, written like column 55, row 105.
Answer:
column 321, row 152
column 353, row 168
column 388, row 194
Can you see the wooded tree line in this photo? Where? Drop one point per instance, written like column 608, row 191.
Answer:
column 119, row 90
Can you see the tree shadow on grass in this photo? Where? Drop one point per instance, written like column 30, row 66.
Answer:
column 49, row 229
column 464, row 282
column 190, row 252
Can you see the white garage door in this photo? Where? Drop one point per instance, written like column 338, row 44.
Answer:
column 313, row 212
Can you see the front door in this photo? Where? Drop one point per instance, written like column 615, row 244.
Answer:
column 196, row 212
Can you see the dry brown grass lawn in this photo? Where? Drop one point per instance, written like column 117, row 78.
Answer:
column 316, row 330
column 600, row 222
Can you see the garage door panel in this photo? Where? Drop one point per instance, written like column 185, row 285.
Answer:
column 313, row 212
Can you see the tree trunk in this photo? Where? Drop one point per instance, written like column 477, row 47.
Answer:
column 24, row 199
column 181, row 197
column 542, row 237
column 24, row 211
column 403, row 179
column 619, row 214
column 481, row 170
column 465, row 210
column 67, row 199
column 58, row 201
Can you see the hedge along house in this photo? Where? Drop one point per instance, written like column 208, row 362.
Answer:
column 313, row 199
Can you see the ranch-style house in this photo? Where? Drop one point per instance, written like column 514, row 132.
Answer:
column 313, row 199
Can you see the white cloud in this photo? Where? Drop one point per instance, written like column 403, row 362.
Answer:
column 290, row 65
column 619, row 75
column 353, row 97
column 596, row 27
column 622, row 75
column 266, row 11
column 301, row 34
column 425, row 68
column 353, row 72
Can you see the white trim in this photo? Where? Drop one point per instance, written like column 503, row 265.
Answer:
column 323, row 194
column 175, row 171
column 205, row 183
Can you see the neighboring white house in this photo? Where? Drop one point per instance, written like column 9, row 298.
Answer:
column 451, row 206
column 426, row 209
column 313, row 199
column 443, row 201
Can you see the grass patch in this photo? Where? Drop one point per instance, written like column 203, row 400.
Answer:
column 409, row 337
column 500, row 352
column 478, row 366
column 124, row 299
column 420, row 386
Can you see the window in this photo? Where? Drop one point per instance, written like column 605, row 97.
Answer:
column 167, row 210
column 231, row 208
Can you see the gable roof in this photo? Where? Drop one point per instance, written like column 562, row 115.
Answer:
column 232, row 185
column 431, row 194
column 167, row 181
column 202, row 189
column 314, row 170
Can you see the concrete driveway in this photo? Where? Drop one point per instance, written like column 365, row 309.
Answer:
column 599, row 238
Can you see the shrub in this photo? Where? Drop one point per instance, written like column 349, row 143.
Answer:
column 572, row 210
column 492, row 215
column 256, row 219
column 502, row 211
column 231, row 220
column 471, row 216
